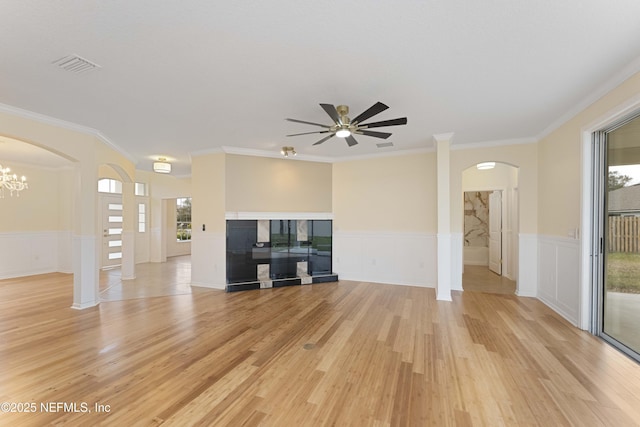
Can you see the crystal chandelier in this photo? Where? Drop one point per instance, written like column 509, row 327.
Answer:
column 11, row 182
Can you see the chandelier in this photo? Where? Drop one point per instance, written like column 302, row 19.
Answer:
column 11, row 182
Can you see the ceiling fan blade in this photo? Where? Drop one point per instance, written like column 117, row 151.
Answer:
column 324, row 139
column 309, row 133
column 392, row 122
column 376, row 108
column 332, row 112
column 383, row 135
column 351, row 141
column 308, row 123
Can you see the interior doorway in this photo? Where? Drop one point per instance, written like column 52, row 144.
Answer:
column 490, row 238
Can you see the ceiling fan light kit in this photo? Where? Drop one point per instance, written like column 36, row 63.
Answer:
column 344, row 127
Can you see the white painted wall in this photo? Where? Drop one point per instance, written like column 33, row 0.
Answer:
column 386, row 257
column 559, row 275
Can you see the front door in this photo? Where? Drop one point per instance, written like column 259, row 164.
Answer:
column 111, row 231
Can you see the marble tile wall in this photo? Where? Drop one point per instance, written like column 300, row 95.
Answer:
column 264, row 230
column 476, row 218
column 302, row 230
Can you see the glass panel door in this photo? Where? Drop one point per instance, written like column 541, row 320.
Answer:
column 111, row 231
column 621, row 291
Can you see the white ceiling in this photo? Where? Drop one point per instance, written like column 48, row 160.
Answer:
column 191, row 76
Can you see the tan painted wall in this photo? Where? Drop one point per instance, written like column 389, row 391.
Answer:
column 559, row 155
column 208, row 193
column 258, row 184
column 501, row 176
column 395, row 194
column 38, row 208
column 523, row 156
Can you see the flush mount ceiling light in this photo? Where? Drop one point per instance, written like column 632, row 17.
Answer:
column 162, row 166
column 288, row 150
column 486, row 165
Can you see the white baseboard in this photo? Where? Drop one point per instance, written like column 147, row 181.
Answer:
column 393, row 258
column 35, row 252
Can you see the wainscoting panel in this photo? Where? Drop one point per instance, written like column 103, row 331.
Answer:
column 394, row 258
column 559, row 275
column 208, row 260
column 457, row 240
column 65, row 252
column 28, row 253
column 527, row 283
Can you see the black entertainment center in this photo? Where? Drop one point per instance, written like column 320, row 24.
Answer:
column 278, row 252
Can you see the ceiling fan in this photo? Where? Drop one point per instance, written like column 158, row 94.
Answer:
column 344, row 127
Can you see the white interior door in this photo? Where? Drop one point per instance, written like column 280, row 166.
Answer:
column 111, row 231
column 495, row 232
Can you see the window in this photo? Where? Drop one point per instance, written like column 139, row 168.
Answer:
column 140, row 189
column 107, row 185
column 142, row 218
column 183, row 219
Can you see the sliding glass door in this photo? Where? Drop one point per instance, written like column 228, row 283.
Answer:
column 618, row 293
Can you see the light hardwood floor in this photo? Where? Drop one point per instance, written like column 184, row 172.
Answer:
column 346, row 353
column 478, row 278
column 172, row 277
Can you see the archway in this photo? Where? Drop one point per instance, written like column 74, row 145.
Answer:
column 37, row 223
column 490, row 226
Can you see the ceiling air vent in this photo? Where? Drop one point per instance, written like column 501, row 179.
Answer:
column 75, row 64
column 384, row 144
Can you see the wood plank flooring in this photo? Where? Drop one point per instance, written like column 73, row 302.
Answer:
column 172, row 277
column 478, row 278
column 343, row 354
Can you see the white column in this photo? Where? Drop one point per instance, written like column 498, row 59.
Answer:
column 444, row 216
column 85, row 242
column 85, row 272
column 129, row 216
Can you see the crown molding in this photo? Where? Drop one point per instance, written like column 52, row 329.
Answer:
column 498, row 143
column 396, row 153
column 275, row 155
column 204, row 152
column 41, row 118
column 305, row 157
column 614, row 81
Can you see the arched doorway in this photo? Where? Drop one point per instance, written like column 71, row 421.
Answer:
column 490, row 228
